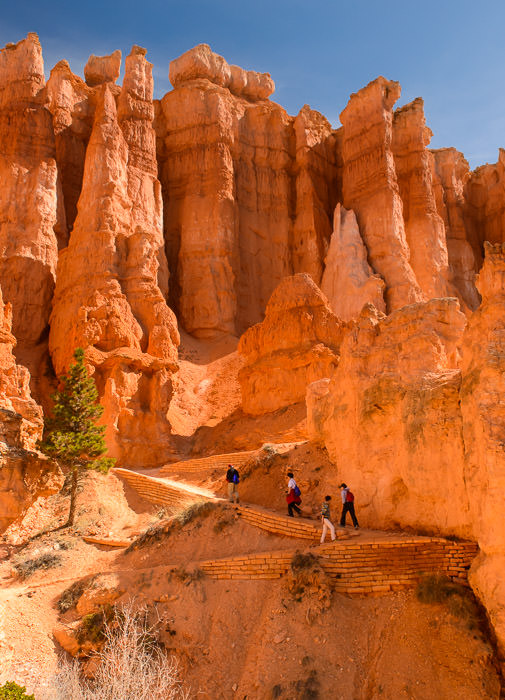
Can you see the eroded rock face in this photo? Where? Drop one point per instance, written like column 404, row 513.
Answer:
column 296, row 344
column 28, row 205
column 450, row 175
column 237, row 171
column 108, row 297
column 348, row 280
column 72, row 111
column 393, row 424
column 482, row 393
column 24, row 473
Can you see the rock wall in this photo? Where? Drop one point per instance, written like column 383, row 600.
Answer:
column 483, row 417
column 414, row 416
column 108, row 297
column 296, row 344
column 391, row 419
column 24, row 473
column 28, row 205
column 248, row 191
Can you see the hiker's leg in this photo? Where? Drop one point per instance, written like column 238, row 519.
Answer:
column 325, row 527
column 298, row 510
column 342, row 517
column 332, row 529
column 231, row 488
column 353, row 515
column 290, row 510
column 235, row 493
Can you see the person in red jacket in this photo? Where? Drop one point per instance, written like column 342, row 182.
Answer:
column 293, row 498
column 347, row 506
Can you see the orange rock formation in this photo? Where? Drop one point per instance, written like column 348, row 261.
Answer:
column 24, row 474
column 297, row 343
column 28, row 204
column 237, row 170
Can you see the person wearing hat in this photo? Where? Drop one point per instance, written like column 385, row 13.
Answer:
column 347, row 506
column 232, row 479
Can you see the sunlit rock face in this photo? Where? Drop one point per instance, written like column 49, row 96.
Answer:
column 112, row 277
column 28, row 205
column 296, row 344
column 249, row 191
column 24, row 473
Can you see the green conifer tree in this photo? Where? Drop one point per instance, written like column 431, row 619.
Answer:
column 71, row 435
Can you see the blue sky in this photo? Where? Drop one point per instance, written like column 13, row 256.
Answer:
column 450, row 52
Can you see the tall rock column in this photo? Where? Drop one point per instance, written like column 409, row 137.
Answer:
column 450, row 177
column 108, row 298
column 28, row 205
column 370, row 188
column 316, row 191
column 482, row 392
column 424, row 228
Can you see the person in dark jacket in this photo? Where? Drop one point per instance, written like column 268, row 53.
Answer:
column 232, row 478
column 347, row 506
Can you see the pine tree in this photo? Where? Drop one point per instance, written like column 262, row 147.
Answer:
column 71, row 435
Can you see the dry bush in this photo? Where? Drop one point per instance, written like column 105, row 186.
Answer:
column 435, row 588
column 461, row 603
column 131, row 666
column 307, row 580
column 26, row 567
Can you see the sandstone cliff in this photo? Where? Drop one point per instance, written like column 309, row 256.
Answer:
column 236, row 172
column 24, row 474
column 483, row 417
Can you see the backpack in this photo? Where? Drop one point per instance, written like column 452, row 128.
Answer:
column 297, row 492
column 349, row 497
column 235, row 476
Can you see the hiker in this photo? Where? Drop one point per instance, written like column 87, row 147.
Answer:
column 325, row 519
column 293, row 496
column 232, row 479
column 347, row 506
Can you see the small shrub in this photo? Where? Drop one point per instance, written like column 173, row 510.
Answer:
column 303, row 561
column 221, row 525
column 71, row 595
column 435, row 588
column 193, row 511
column 27, row 567
column 186, row 576
column 13, row 691
column 93, row 626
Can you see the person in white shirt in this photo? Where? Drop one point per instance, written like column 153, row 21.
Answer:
column 293, row 496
